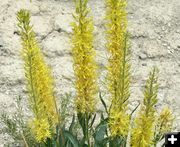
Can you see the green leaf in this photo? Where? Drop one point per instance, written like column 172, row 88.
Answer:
column 81, row 120
column 72, row 124
column 72, row 138
column 103, row 102
column 92, row 122
column 100, row 132
column 61, row 136
column 134, row 110
column 117, row 142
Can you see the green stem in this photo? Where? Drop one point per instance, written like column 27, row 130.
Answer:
column 87, row 129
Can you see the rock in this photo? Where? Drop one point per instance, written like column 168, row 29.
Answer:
column 163, row 28
column 144, row 64
column 168, row 47
column 62, row 22
column 42, row 25
column 50, row 47
column 142, row 56
column 177, row 31
column 169, row 24
column 6, row 102
column 1, row 42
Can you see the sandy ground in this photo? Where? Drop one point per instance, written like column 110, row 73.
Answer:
column 155, row 40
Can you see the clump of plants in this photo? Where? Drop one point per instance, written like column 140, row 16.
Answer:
column 113, row 127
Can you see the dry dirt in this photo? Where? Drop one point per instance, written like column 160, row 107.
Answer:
column 155, row 40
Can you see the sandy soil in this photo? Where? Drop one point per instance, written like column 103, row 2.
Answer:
column 155, row 40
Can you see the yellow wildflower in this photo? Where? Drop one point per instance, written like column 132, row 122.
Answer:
column 165, row 120
column 117, row 28
column 84, row 59
column 119, row 119
column 163, row 125
column 118, row 68
column 142, row 133
column 40, row 128
column 40, row 84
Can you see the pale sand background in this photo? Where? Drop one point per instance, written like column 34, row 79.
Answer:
column 155, row 40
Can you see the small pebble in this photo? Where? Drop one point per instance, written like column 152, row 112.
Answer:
column 164, row 44
column 169, row 24
column 144, row 64
column 163, row 28
column 142, row 56
column 177, row 31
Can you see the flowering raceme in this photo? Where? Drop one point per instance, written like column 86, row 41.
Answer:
column 40, row 83
column 84, row 59
column 119, row 119
column 142, row 133
column 117, row 28
column 41, row 129
column 163, row 125
column 165, row 121
column 118, row 69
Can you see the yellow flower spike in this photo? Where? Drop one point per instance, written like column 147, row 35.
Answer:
column 40, row 84
column 84, row 59
column 165, row 120
column 119, row 119
column 142, row 132
column 163, row 125
column 41, row 127
column 118, row 68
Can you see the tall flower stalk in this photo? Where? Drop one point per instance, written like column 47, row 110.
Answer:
column 163, row 125
column 142, row 133
column 84, row 59
column 84, row 65
column 118, row 68
column 40, row 84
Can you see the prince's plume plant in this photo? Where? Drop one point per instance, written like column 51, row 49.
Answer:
column 40, row 84
column 83, row 57
column 47, row 129
column 84, row 65
column 118, row 69
column 142, row 133
column 163, row 125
